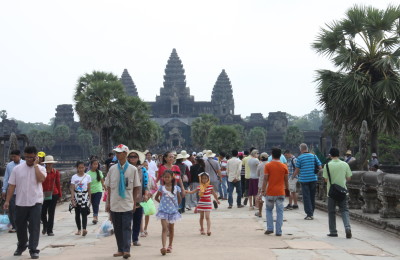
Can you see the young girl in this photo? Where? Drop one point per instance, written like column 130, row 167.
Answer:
column 80, row 196
column 205, row 206
column 152, row 187
column 96, row 187
column 168, row 209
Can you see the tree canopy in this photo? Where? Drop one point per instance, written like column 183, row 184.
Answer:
column 224, row 138
column 201, row 128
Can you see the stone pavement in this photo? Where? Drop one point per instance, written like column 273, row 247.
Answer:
column 236, row 234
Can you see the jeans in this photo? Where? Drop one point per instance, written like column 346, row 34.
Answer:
column 78, row 212
column 192, row 199
column 11, row 213
column 231, row 186
column 136, row 222
column 269, row 207
column 96, row 197
column 223, row 187
column 122, row 222
column 49, row 207
column 308, row 189
column 29, row 215
column 344, row 211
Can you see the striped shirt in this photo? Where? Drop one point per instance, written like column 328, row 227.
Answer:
column 306, row 164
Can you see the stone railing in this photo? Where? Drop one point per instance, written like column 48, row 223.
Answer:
column 371, row 192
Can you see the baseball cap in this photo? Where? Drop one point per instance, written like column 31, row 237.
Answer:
column 121, row 148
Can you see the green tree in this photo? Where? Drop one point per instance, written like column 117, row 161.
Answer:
column 257, row 137
column 61, row 134
column 364, row 46
column 389, row 149
column 85, row 139
column 293, row 137
column 224, row 138
column 43, row 140
column 201, row 128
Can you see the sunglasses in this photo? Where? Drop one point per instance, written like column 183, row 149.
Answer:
column 133, row 156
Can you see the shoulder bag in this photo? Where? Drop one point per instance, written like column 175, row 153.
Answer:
column 336, row 192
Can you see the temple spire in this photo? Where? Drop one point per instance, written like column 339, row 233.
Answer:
column 127, row 81
column 222, row 95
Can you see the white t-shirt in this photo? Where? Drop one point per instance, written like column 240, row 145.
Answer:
column 188, row 163
column 81, row 183
column 152, row 168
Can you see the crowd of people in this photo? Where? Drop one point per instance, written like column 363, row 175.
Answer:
column 179, row 182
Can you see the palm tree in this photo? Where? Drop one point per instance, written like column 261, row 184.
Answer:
column 201, row 128
column 364, row 46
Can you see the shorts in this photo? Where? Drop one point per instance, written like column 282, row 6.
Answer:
column 293, row 184
column 253, row 187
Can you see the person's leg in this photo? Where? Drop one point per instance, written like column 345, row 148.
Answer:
column 126, row 223
column 34, row 227
column 243, row 185
column 117, row 224
column 230, row 191
column 332, row 216
column 171, row 234
column 239, row 193
column 269, row 206
column 251, row 202
column 52, row 211
column 22, row 227
column 294, row 196
column 12, row 213
column 96, row 197
column 224, row 184
column 78, row 217
column 208, row 219
column 313, row 189
column 279, row 201
column 164, row 225
column 84, row 214
column 136, row 222
column 201, row 221
column 146, row 223
column 43, row 215
column 305, row 187
column 220, row 190
column 344, row 210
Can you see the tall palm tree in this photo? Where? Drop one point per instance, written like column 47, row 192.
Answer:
column 364, row 46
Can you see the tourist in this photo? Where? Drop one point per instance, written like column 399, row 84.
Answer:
column 339, row 172
column 348, row 158
column 245, row 175
column 204, row 206
column 282, row 159
column 96, row 187
column 253, row 162
column 109, row 161
column 26, row 180
column 168, row 159
column 223, row 184
column 15, row 160
column 185, row 159
column 184, row 173
column 80, row 197
column 374, row 161
column 291, row 164
column 52, row 194
column 123, row 186
column 152, row 165
column 305, row 170
column 136, row 158
column 375, row 168
column 213, row 168
column 169, row 197
column 275, row 183
column 41, row 155
column 260, row 174
column 152, row 189
column 195, row 170
column 233, row 170
column 192, row 158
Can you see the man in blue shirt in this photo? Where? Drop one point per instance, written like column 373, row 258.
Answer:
column 305, row 167
column 15, row 160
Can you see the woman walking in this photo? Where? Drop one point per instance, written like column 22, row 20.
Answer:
column 80, row 197
column 96, row 187
column 52, row 194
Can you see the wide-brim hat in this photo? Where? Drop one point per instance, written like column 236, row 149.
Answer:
column 374, row 155
column 121, row 148
column 184, row 154
column 264, row 155
column 209, row 153
column 49, row 159
column 180, row 156
column 348, row 152
column 141, row 155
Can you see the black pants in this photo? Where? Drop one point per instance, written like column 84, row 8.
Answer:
column 11, row 212
column 136, row 222
column 78, row 212
column 122, row 222
column 49, row 208
column 28, row 218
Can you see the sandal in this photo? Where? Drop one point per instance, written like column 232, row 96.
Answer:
column 145, row 232
column 78, row 233
column 142, row 234
column 208, row 233
column 169, row 249
column 202, row 232
column 84, row 232
column 163, row 251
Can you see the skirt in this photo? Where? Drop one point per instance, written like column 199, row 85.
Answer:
column 253, row 187
column 170, row 218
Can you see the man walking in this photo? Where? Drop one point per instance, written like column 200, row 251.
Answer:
column 123, row 184
column 276, row 177
column 339, row 172
column 291, row 164
column 305, row 169
column 213, row 168
column 26, row 180
column 15, row 160
column 233, row 169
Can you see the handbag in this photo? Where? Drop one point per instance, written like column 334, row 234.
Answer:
column 336, row 192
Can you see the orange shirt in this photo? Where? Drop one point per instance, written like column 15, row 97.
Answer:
column 276, row 172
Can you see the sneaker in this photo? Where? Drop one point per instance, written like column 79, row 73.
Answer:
column 295, row 207
column 288, row 207
column 332, row 235
column 240, row 206
column 230, row 206
column 348, row 233
column 267, row 232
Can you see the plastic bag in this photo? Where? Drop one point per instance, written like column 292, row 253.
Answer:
column 105, row 196
column 4, row 219
column 148, row 207
column 106, row 229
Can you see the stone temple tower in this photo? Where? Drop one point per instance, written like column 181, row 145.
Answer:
column 222, row 96
column 130, row 87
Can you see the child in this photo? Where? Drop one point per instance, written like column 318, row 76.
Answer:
column 168, row 209
column 205, row 206
column 152, row 187
column 80, row 196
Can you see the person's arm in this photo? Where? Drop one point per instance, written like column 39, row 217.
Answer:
column 40, row 176
column 58, row 184
column 296, row 172
column 5, row 182
column 108, row 199
column 264, row 188
column 72, row 190
column 215, row 196
column 286, row 182
column 10, row 193
column 157, row 197
column 179, row 197
column 135, row 194
column 89, row 192
column 238, row 170
column 191, row 191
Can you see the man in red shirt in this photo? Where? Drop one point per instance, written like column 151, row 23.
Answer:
column 276, row 177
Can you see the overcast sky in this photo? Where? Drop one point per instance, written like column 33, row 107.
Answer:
column 264, row 46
